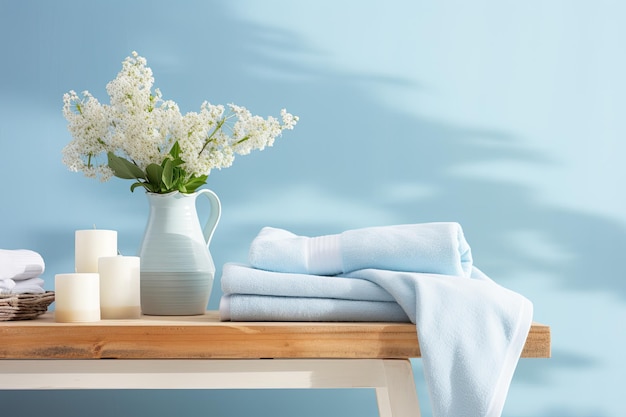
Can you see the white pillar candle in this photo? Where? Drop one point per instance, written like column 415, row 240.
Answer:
column 91, row 245
column 76, row 297
column 119, row 287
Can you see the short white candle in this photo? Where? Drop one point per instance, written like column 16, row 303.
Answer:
column 119, row 287
column 91, row 245
column 77, row 297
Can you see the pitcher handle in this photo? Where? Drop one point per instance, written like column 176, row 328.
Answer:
column 214, row 215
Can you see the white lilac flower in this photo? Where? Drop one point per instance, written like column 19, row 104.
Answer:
column 141, row 128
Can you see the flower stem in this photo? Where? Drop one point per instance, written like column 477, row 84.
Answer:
column 210, row 138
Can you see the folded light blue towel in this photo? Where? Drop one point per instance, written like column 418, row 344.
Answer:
column 428, row 247
column 471, row 330
column 242, row 307
column 241, row 279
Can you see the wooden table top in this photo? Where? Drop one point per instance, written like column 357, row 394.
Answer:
column 204, row 336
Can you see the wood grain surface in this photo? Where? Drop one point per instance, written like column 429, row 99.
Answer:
column 204, row 336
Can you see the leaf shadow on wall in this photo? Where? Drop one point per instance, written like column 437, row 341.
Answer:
column 357, row 149
column 349, row 144
column 349, row 147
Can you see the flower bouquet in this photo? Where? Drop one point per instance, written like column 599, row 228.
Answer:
column 141, row 137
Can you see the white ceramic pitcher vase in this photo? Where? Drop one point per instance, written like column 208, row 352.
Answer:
column 177, row 269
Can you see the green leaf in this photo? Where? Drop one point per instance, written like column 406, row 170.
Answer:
column 154, row 174
column 195, row 182
column 123, row 168
column 167, row 176
column 138, row 184
column 175, row 151
column 177, row 162
column 177, row 176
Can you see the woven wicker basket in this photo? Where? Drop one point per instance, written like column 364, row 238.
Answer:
column 24, row 306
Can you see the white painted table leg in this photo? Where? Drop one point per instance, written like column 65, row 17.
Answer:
column 392, row 378
column 399, row 397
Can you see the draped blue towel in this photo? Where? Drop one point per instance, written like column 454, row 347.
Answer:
column 471, row 330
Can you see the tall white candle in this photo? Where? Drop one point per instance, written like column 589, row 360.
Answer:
column 119, row 287
column 91, row 245
column 77, row 297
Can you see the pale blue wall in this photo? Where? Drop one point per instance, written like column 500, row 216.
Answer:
column 504, row 116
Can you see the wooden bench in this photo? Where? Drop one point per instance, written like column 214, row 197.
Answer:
column 200, row 352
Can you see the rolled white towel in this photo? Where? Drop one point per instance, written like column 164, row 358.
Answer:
column 20, row 264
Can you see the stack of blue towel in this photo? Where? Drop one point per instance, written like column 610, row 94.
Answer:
column 20, row 271
column 471, row 330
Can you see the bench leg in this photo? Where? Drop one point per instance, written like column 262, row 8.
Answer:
column 399, row 397
column 391, row 378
